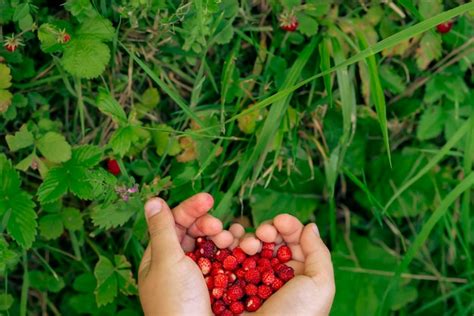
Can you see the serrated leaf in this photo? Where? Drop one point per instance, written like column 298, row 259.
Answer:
column 22, row 221
column 72, row 218
column 107, row 284
column 54, row 147
column 5, row 100
column 81, row 9
column 429, row 50
column 431, row 123
column 51, row 226
column 97, row 28
column 307, row 24
column 87, row 155
column 85, row 58
column 53, row 186
column 5, row 77
column 21, row 139
column 121, row 140
column 126, row 282
column 116, row 214
column 110, row 107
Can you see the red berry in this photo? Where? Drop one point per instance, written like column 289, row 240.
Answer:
column 9, row 47
column 221, row 280
column 209, row 282
column 240, row 273
column 218, row 307
column 268, row 277
column 205, row 265
column 66, row 38
column 192, row 256
column 239, row 254
column 267, row 253
column 251, row 289
column 286, row 273
column 221, row 254
column 288, row 22
column 227, row 313
column 284, row 254
column 230, row 263
column 208, row 249
column 235, row 293
column 249, row 263
column 274, row 262
column 231, row 276
column 200, row 241
column 253, row 276
column 268, row 246
column 277, row 284
column 264, row 263
column 226, row 299
column 215, row 272
column 113, row 167
column 253, row 303
column 237, row 308
column 445, row 27
column 217, row 292
column 264, row 291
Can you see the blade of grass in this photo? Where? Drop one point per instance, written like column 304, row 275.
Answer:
column 325, row 65
column 377, row 95
column 169, row 91
column 444, row 297
column 466, row 200
column 433, row 161
column 270, row 126
column 420, row 239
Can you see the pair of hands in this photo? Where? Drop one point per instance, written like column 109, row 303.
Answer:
column 170, row 283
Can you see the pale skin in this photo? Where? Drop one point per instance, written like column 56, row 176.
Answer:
column 170, row 283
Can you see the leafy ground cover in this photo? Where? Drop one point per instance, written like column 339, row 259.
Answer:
column 355, row 114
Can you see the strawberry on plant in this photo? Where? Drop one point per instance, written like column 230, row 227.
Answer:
column 444, row 27
column 11, row 43
column 288, row 22
column 113, row 167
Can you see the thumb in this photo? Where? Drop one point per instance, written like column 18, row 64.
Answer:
column 164, row 243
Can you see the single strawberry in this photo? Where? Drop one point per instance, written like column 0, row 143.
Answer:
column 192, row 256
column 264, row 264
column 217, row 292
column 288, row 22
column 284, row 254
column 253, row 276
column 226, row 299
column 230, row 263
column 253, row 303
column 251, row 289
column 240, row 283
column 240, row 273
column 444, row 27
column 226, row 312
column 235, row 293
column 249, row 263
column 209, row 281
column 277, row 284
column 208, row 249
column 239, row 254
column 221, row 280
column 200, row 241
column 218, row 307
column 264, row 291
column 205, row 265
column 113, row 167
column 11, row 43
column 231, row 276
column 268, row 277
column 266, row 253
column 286, row 273
column 221, row 254
column 274, row 262
column 216, row 265
column 268, row 246
column 218, row 271
column 237, row 308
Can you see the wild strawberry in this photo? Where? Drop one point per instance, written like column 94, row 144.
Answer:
column 11, row 43
column 239, row 254
column 253, row 276
column 288, row 22
column 218, row 307
column 227, row 312
column 192, row 256
column 217, row 292
column 240, row 283
column 237, row 308
column 268, row 277
column 216, row 265
column 215, row 272
column 277, row 284
column 221, row 254
column 264, row 291
column 274, row 262
column 226, row 299
column 253, row 303
column 286, row 273
column 235, row 293
column 249, row 263
column 209, row 282
column 268, row 246
column 208, row 249
column 221, row 280
column 200, row 241
column 197, row 254
column 230, row 263
column 240, row 273
column 251, row 289
column 264, row 264
column 113, row 167
column 444, row 27
column 205, row 265
column 284, row 254
column 267, row 253
column 231, row 276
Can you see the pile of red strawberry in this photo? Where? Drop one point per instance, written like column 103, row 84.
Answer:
column 238, row 282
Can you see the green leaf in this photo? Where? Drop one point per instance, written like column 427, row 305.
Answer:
column 44, row 281
column 98, row 28
column 5, row 100
column 431, row 123
column 85, row 58
column 429, row 50
column 87, row 155
column 22, row 139
column 72, row 219
column 126, row 282
column 6, row 301
column 48, row 36
column 116, row 214
column 51, row 226
column 429, row 8
column 54, row 147
column 106, row 289
column 110, row 107
column 26, row 23
column 22, row 10
column 25, row 164
column 5, row 77
column 81, row 9
column 391, row 80
column 122, row 139
column 307, row 24
column 225, row 35
column 53, row 186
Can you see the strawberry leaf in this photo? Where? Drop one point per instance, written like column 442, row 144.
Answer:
column 116, row 214
column 429, row 50
column 54, row 147
column 51, row 226
column 97, row 28
column 110, row 107
column 85, row 58
column 22, row 139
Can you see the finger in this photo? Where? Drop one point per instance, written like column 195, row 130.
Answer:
column 290, row 229
column 165, row 246
column 144, row 264
column 206, row 225
column 224, row 239
column 237, row 230
column 250, row 244
column 266, row 232
column 186, row 213
column 318, row 263
column 188, row 243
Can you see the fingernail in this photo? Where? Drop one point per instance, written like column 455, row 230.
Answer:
column 152, row 208
column 316, row 230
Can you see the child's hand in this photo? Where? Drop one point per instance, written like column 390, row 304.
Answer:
column 312, row 290
column 169, row 282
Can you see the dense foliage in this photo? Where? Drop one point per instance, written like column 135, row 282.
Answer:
column 355, row 114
